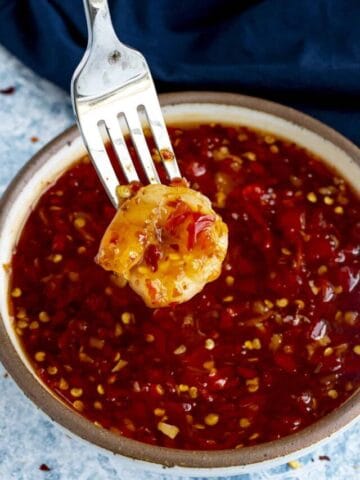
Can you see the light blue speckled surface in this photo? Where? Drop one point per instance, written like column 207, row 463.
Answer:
column 27, row 437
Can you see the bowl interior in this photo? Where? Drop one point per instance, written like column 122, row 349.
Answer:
column 44, row 172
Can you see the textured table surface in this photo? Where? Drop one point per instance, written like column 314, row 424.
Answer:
column 30, row 117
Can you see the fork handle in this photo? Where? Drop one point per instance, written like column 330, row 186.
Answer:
column 98, row 19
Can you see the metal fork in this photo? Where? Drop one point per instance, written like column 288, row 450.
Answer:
column 112, row 80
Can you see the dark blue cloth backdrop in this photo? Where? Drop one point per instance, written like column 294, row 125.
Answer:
column 304, row 53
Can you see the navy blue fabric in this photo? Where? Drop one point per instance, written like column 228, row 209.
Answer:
column 304, row 53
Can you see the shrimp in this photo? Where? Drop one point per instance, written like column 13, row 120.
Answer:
column 167, row 242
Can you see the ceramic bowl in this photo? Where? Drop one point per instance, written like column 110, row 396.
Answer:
column 45, row 167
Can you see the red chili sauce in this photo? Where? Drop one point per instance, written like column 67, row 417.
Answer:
column 265, row 350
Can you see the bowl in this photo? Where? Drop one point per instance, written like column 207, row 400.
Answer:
column 45, row 167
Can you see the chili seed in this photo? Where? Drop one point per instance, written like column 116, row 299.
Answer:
column 275, row 341
column 44, row 317
column 209, row 365
column 22, row 324
column 120, row 365
column 350, row 317
column 193, row 392
column 252, row 384
column 129, row 424
column 229, row 280
column 21, row 314
column 322, row 269
column 269, row 139
column 311, row 197
column 349, row 386
column 328, row 200
column 282, row 302
column 63, row 384
column 315, row 290
column 339, row 210
column 180, row 350
column 294, row 464
column 100, row 389
column 183, row 388
column 159, row 412
column 118, row 330
column 356, row 349
column 300, row 304
column 79, row 222
column 209, row 344
column 220, row 199
column 160, row 389
column 34, row 325
column 78, row 405
column 98, row 405
column 84, row 357
column 16, row 292
column 76, row 392
column 52, row 370
column 211, row 419
column 123, row 191
column 268, row 303
column 127, row 318
column 189, row 419
column 96, row 343
column 249, row 156
column 333, row 394
column 169, row 430
column 199, row 426
column 252, row 344
column 156, row 155
column 40, row 356
column 56, row 258
column 244, row 422
column 149, row 338
column 296, row 181
column 136, row 387
column 228, row 299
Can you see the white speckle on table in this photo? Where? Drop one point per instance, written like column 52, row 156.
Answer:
column 28, row 438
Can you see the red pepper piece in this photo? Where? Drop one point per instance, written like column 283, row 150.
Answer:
column 199, row 224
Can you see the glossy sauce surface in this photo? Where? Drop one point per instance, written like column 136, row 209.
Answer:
column 265, row 350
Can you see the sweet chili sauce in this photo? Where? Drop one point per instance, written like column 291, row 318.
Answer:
column 267, row 349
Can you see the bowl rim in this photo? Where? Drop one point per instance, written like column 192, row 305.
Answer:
column 132, row 449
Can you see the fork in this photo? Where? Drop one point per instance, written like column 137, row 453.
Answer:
column 113, row 80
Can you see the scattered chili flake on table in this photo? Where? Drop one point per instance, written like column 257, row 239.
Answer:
column 34, row 139
column 7, row 91
column 44, row 468
column 265, row 350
